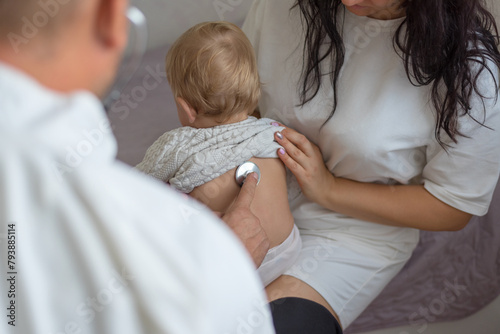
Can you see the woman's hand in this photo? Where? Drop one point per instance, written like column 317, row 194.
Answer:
column 403, row 205
column 305, row 161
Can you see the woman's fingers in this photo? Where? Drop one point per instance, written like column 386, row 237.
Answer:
column 290, row 148
column 289, row 162
column 299, row 141
column 305, row 161
column 293, row 158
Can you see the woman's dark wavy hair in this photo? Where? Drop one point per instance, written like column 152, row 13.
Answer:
column 439, row 42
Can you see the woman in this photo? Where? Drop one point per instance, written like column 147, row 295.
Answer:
column 396, row 129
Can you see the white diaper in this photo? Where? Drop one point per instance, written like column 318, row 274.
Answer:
column 280, row 258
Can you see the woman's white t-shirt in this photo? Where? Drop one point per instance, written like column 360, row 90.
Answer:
column 383, row 127
column 382, row 132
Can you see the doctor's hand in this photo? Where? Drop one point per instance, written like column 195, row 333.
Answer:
column 245, row 224
column 305, row 161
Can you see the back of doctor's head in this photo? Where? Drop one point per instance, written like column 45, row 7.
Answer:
column 47, row 38
column 24, row 19
column 212, row 66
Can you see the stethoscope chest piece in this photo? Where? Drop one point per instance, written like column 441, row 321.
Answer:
column 244, row 170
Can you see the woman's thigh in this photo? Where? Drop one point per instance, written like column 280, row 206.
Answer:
column 344, row 277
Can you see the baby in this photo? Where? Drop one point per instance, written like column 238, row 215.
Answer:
column 213, row 74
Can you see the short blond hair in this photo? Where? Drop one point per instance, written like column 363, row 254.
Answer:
column 212, row 66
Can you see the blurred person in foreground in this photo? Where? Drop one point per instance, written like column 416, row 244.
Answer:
column 88, row 244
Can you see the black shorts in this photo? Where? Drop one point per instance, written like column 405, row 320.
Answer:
column 293, row 315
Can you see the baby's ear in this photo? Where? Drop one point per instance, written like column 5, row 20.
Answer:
column 190, row 112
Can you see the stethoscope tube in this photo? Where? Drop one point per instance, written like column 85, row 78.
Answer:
column 131, row 62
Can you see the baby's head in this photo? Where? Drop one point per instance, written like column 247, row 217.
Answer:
column 213, row 74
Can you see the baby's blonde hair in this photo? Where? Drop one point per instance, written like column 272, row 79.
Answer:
column 212, row 67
